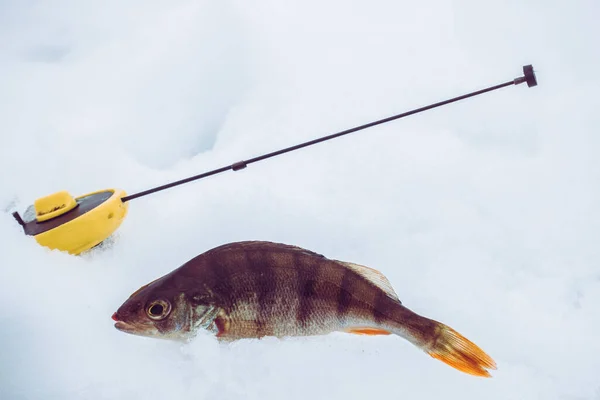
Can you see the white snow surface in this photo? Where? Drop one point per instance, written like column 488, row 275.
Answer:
column 484, row 214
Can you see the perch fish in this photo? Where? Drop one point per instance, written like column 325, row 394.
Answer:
column 255, row 289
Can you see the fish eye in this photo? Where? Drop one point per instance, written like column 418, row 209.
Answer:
column 158, row 309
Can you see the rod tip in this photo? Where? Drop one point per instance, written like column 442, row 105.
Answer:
column 529, row 75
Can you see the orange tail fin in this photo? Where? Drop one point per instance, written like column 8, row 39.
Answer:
column 459, row 352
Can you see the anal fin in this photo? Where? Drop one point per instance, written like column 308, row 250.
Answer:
column 365, row 330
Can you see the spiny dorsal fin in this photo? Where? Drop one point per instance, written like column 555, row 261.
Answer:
column 263, row 245
column 375, row 277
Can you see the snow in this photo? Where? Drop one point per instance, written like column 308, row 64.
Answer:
column 483, row 214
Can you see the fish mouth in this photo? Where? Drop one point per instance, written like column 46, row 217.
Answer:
column 125, row 327
column 134, row 329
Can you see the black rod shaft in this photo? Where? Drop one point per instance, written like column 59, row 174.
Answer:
column 242, row 164
column 381, row 121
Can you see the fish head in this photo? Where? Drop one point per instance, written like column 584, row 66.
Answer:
column 156, row 311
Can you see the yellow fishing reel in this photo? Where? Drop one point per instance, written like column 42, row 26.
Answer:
column 74, row 224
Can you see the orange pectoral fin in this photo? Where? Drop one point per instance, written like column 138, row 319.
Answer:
column 222, row 324
column 367, row 331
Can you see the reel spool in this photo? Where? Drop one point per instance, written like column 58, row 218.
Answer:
column 75, row 225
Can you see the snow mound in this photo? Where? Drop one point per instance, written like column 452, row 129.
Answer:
column 483, row 214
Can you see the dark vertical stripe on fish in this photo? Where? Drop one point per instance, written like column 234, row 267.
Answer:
column 222, row 283
column 381, row 305
column 306, row 296
column 344, row 298
column 266, row 284
column 307, row 288
column 255, row 286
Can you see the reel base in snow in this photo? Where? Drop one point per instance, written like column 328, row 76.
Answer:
column 62, row 222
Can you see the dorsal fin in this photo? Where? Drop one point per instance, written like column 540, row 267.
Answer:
column 375, row 277
column 370, row 274
column 263, row 245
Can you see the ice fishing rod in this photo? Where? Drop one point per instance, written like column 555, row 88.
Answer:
column 528, row 77
column 77, row 224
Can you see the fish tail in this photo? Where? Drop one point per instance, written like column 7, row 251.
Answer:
column 445, row 344
column 459, row 352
